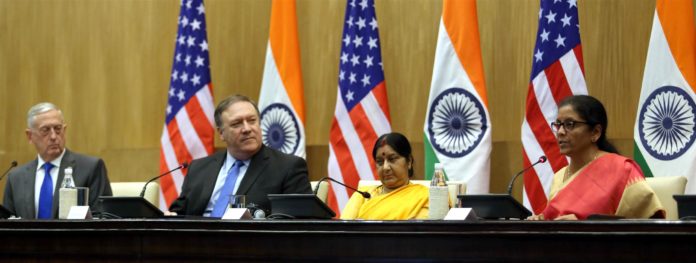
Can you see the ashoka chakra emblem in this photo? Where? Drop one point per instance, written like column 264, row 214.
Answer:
column 456, row 122
column 280, row 128
column 666, row 123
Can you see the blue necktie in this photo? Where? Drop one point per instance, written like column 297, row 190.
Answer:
column 46, row 194
column 227, row 189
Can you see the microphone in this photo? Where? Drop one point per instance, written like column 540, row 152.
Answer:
column 182, row 166
column 366, row 195
column 13, row 165
column 542, row 159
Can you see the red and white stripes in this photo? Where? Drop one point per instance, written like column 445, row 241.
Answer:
column 562, row 78
column 350, row 143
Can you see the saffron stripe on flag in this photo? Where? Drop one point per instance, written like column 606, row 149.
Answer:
column 281, row 99
column 457, row 127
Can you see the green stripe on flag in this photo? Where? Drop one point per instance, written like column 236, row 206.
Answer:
column 638, row 157
column 430, row 158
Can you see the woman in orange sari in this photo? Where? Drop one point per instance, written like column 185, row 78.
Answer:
column 397, row 198
column 597, row 180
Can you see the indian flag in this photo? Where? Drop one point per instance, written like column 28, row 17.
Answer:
column 457, row 124
column 664, row 131
column 281, row 102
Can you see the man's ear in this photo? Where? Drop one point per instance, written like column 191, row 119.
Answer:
column 219, row 131
column 27, row 132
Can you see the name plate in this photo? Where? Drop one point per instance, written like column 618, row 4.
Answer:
column 466, row 214
column 79, row 212
column 236, row 214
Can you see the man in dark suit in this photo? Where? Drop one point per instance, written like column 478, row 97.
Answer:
column 247, row 167
column 29, row 193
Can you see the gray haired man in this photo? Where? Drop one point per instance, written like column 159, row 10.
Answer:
column 31, row 188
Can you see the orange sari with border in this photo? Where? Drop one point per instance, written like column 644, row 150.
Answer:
column 407, row 202
column 610, row 185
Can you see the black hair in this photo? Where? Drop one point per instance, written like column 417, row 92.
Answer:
column 399, row 143
column 592, row 110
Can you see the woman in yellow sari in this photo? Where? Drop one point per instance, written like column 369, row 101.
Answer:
column 397, row 198
column 597, row 180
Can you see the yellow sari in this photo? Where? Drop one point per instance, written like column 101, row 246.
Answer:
column 407, row 202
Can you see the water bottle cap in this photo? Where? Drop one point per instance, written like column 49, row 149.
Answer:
column 439, row 166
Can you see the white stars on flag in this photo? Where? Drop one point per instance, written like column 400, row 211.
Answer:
column 538, row 55
column 556, row 73
column 365, row 80
column 360, row 52
column 360, row 82
column 195, row 25
column 544, row 36
column 204, row 45
column 368, row 61
column 191, row 70
column 357, row 41
column 560, row 41
column 355, row 60
column 551, row 17
column 373, row 24
column 556, row 35
column 372, row 43
column 360, row 23
column 201, row 9
column 566, row 20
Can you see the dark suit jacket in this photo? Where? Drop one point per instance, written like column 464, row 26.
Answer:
column 269, row 172
column 87, row 172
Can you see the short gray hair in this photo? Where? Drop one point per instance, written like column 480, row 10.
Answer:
column 227, row 102
column 39, row 109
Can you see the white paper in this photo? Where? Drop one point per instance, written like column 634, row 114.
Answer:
column 461, row 214
column 79, row 212
column 236, row 214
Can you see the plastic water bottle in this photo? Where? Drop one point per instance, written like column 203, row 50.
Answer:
column 67, row 178
column 67, row 194
column 439, row 194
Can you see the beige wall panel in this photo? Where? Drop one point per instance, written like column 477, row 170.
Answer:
column 107, row 64
column 320, row 26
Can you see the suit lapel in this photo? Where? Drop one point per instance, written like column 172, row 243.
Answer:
column 210, row 174
column 256, row 167
column 28, row 183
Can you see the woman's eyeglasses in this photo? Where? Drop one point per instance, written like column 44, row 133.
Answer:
column 567, row 125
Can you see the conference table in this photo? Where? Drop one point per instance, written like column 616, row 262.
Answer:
column 197, row 239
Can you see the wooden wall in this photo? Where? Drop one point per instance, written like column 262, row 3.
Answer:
column 107, row 64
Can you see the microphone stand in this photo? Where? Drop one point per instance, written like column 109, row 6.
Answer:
column 542, row 159
column 182, row 166
column 366, row 195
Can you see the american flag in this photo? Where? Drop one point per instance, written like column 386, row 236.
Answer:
column 557, row 72
column 188, row 128
column 362, row 110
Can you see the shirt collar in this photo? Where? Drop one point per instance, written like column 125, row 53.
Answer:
column 55, row 162
column 230, row 160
